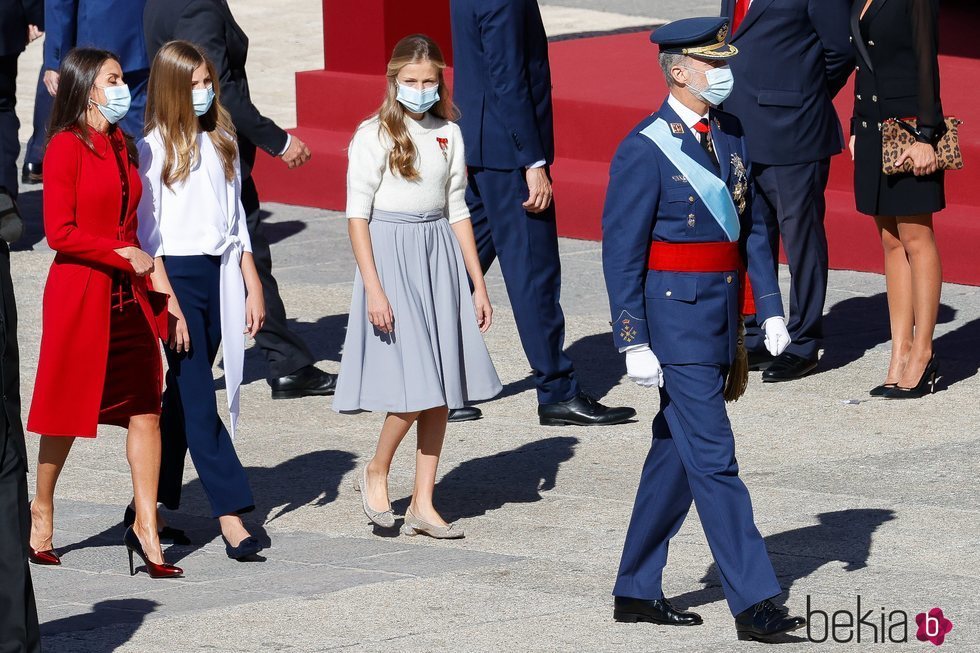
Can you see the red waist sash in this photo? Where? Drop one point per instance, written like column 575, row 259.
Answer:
column 704, row 257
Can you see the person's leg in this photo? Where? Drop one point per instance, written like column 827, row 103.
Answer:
column 284, row 351
column 705, row 444
column 764, row 210
column 34, row 155
column 898, row 289
column 481, row 224
column 800, row 208
column 527, row 246
column 52, row 453
column 9, row 125
column 393, row 431
column 919, row 242
column 431, row 434
column 195, row 283
column 18, row 612
column 663, row 499
column 143, row 453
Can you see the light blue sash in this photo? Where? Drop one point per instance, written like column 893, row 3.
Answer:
column 712, row 190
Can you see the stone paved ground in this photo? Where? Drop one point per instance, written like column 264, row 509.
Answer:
column 855, row 496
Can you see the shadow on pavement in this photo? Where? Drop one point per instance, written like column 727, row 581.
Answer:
column 325, row 339
column 856, row 325
column 124, row 615
column 311, row 478
column 843, row 536
column 481, row 485
column 957, row 354
column 598, row 367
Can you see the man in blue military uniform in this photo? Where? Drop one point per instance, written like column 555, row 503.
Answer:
column 679, row 239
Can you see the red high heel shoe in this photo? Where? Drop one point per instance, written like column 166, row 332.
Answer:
column 133, row 545
column 49, row 557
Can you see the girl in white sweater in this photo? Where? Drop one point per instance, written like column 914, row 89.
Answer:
column 413, row 346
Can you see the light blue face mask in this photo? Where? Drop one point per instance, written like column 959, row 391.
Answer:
column 418, row 101
column 117, row 100
column 202, row 99
column 720, row 85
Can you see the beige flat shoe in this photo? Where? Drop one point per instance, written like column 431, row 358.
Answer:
column 383, row 518
column 414, row 526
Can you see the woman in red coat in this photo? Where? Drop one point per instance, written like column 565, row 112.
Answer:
column 100, row 359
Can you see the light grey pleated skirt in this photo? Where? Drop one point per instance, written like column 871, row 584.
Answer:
column 436, row 355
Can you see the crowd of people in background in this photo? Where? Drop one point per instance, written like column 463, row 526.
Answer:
column 145, row 137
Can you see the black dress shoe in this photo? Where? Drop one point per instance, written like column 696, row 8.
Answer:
column 760, row 360
column 465, row 414
column 582, row 410
column 307, row 381
column 764, row 621
column 654, row 611
column 166, row 534
column 245, row 550
column 31, row 174
column 788, row 367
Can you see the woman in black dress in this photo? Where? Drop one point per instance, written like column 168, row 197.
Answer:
column 898, row 77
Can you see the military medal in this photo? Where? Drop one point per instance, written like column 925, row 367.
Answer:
column 741, row 183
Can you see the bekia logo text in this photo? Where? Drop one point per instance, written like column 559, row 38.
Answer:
column 874, row 626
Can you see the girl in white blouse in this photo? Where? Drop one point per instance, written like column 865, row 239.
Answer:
column 413, row 348
column 191, row 219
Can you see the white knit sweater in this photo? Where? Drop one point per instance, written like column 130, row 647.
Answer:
column 440, row 162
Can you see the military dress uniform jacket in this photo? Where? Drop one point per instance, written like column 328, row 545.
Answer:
column 686, row 317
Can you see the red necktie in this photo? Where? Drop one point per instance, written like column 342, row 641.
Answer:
column 741, row 8
column 704, row 128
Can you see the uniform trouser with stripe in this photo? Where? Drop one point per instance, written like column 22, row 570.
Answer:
column 692, row 458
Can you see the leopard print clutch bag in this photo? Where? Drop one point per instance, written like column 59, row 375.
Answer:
column 898, row 135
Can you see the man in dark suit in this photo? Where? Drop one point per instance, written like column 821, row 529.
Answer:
column 20, row 23
column 18, row 612
column 503, row 90
column 113, row 25
column 794, row 58
column 210, row 24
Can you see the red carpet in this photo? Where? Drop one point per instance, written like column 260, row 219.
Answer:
column 602, row 87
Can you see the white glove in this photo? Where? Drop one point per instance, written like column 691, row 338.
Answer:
column 777, row 337
column 643, row 367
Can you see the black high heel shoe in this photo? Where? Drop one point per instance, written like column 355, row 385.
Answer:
column 133, row 545
column 245, row 549
column 880, row 390
column 925, row 386
column 166, row 534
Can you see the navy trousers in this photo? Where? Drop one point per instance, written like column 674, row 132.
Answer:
column 42, row 114
column 790, row 199
column 693, row 458
column 9, row 125
column 190, row 418
column 527, row 246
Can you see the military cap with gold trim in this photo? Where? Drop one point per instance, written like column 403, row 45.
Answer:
column 704, row 38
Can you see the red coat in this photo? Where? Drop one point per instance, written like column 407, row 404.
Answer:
column 82, row 203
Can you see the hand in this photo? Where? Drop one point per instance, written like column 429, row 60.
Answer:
column 643, row 367
column 484, row 311
column 538, row 190
column 33, row 33
column 51, row 78
column 850, row 146
column 923, row 158
column 777, row 337
column 379, row 312
column 296, row 154
column 180, row 337
column 254, row 313
column 141, row 261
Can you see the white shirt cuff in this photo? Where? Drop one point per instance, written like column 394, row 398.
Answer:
column 537, row 164
column 623, row 350
column 289, row 140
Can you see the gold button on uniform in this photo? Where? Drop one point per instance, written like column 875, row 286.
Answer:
column 728, row 279
column 667, row 293
column 691, row 199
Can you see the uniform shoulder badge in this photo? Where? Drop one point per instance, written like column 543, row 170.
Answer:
column 677, row 128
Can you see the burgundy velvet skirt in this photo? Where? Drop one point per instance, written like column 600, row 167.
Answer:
column 133, row 383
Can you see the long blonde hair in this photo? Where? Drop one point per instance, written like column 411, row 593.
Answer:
column 417, row 48
column 169, row 109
